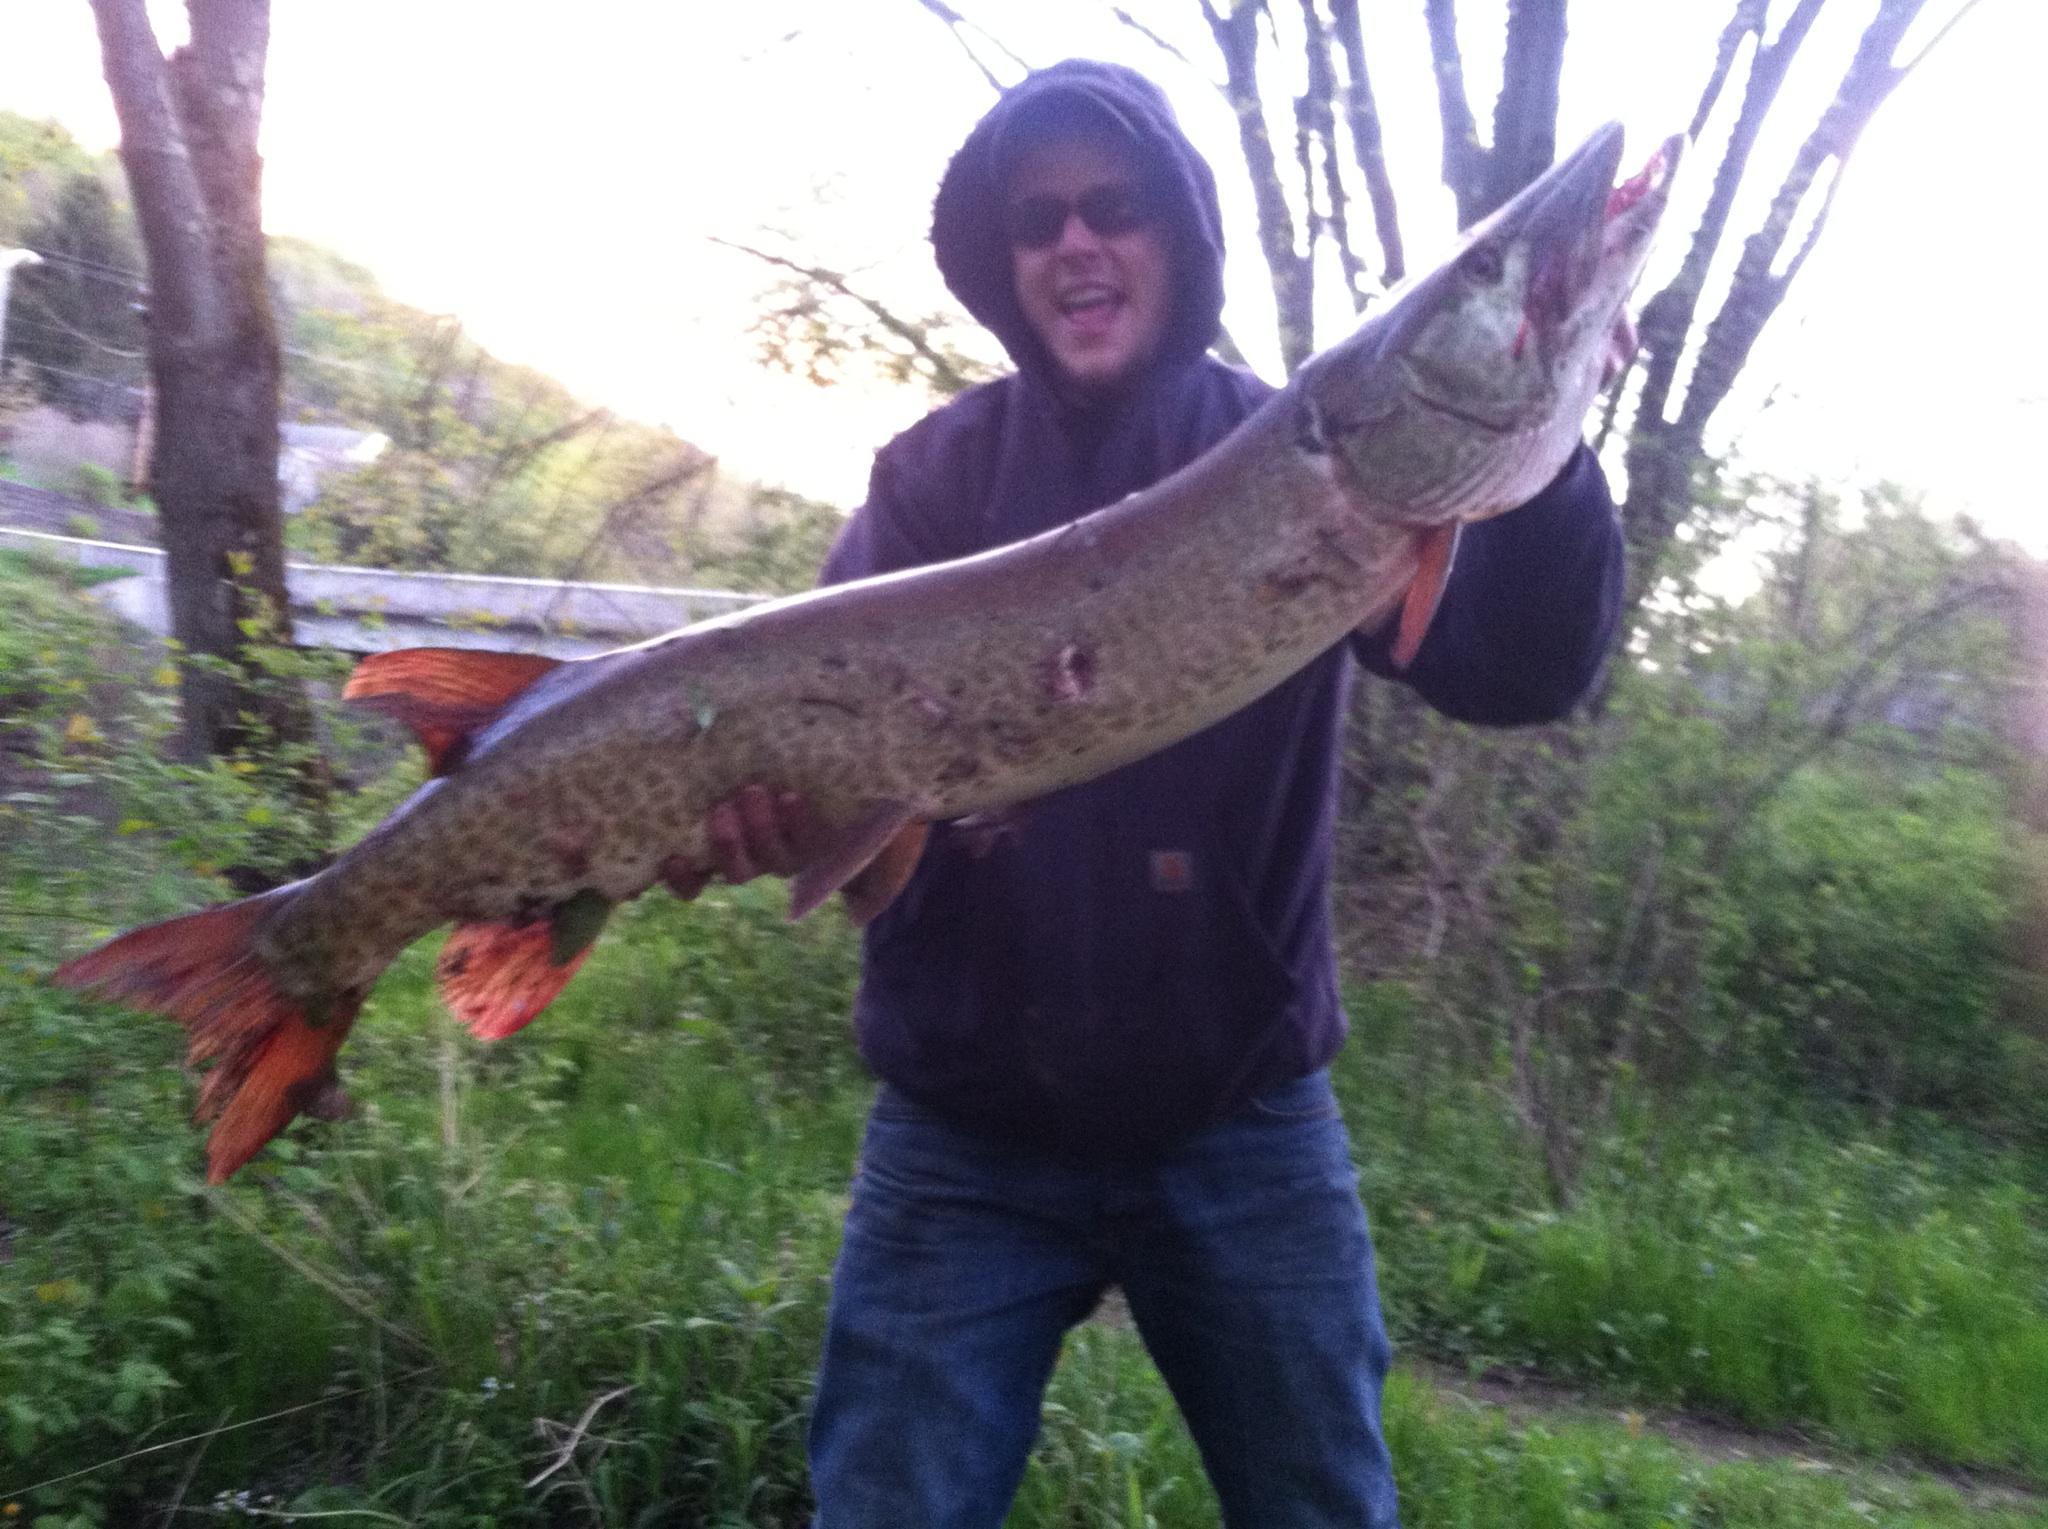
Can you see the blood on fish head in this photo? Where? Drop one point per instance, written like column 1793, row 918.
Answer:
column 1501, row 348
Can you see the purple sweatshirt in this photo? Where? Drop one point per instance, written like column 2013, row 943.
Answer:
column 1151, row 949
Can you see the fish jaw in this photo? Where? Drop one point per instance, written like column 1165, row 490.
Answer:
column 1465, row 395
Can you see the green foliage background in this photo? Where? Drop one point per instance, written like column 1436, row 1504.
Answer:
column 635, row 1203
column 1696, row 1063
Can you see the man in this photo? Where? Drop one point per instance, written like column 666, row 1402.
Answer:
column 1101, row 1038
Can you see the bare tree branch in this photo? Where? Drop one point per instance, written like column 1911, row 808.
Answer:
column 1525, row 112
column 945, row 372
column 1464, row 156
column 1757, row 290
column 168, row 204
column 1305, row 139
column 1237, row 39
column 1668, row 317
column 1362, row 117
column 1662, row 452
column 957, row 25
column 1152, row 37
column 687, row 467
column 572, row 1437
column 1934, row 42
column 518, row 453
column 1748, row 21
column 1317, row 108
column 1610, row 410
column 1932, row 617
column 1815, row 228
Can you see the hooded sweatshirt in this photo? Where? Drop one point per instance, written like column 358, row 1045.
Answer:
column 1140, row 955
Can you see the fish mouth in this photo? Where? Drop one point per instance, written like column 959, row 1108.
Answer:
column 1578, row 235
column 1588, row 231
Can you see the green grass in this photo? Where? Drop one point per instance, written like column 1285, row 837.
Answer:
column 1889, row 1290
column 645, row 1190
column 413, row 1309
column 29, row 565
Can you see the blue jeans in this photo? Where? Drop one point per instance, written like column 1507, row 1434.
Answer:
column 1242, row 1251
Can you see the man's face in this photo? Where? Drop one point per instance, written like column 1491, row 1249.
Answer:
column 1097, row 296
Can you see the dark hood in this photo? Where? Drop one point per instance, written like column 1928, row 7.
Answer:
column 967, row 232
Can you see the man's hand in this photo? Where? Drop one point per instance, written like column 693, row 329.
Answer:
column 759, row 832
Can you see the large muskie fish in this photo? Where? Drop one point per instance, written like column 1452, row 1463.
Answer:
column 562, row 789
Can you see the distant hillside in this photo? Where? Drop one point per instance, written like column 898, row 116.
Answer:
column 493, row 467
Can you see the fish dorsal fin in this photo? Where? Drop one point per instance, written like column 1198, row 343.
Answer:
column 444, row 694
column 883, row 837
column 495, row 977
column 1439, row 551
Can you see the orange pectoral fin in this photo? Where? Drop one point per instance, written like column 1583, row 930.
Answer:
column 846, row 852
column 444, row 694
column 1439, row 551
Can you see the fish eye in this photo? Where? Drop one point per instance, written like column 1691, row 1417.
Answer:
column 1482, row 263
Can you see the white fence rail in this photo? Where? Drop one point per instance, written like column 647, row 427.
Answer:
column 371, row 610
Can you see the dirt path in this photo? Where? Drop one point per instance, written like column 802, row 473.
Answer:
column 1527, row 1398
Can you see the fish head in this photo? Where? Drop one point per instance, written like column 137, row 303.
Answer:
column 1465, row 394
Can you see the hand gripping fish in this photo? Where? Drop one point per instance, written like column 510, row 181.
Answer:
column 561, row 789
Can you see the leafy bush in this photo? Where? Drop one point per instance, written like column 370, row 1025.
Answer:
column 1866, row 937
column 633, row 1206
column 97, row 485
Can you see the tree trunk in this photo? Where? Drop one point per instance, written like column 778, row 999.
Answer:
column 1237, row 39
column 188, row 144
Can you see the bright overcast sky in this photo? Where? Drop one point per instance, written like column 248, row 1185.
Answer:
column 553, row 175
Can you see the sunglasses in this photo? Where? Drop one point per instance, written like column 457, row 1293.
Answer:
column 1037, row 222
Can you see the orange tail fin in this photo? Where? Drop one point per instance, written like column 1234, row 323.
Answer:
column 271, row 1061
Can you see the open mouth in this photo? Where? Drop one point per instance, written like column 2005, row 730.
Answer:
column 1091, row 309
column 1654, row 176
column 1635, row 205
column 1614, row 238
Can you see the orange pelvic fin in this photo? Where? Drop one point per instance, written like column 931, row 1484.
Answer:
column 1439, row 551
column 444, row 694
column 497, row 977
column 869, row 840
column 272, row 1060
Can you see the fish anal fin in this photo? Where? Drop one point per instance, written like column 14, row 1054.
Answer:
column 873, row 888
column 845, row 850
column 289, row 1072
column 444, row 694
column 496, row 977
column 1439, row 550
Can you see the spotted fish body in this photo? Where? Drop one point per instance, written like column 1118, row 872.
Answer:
column 562, row 789
column 923, row 696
